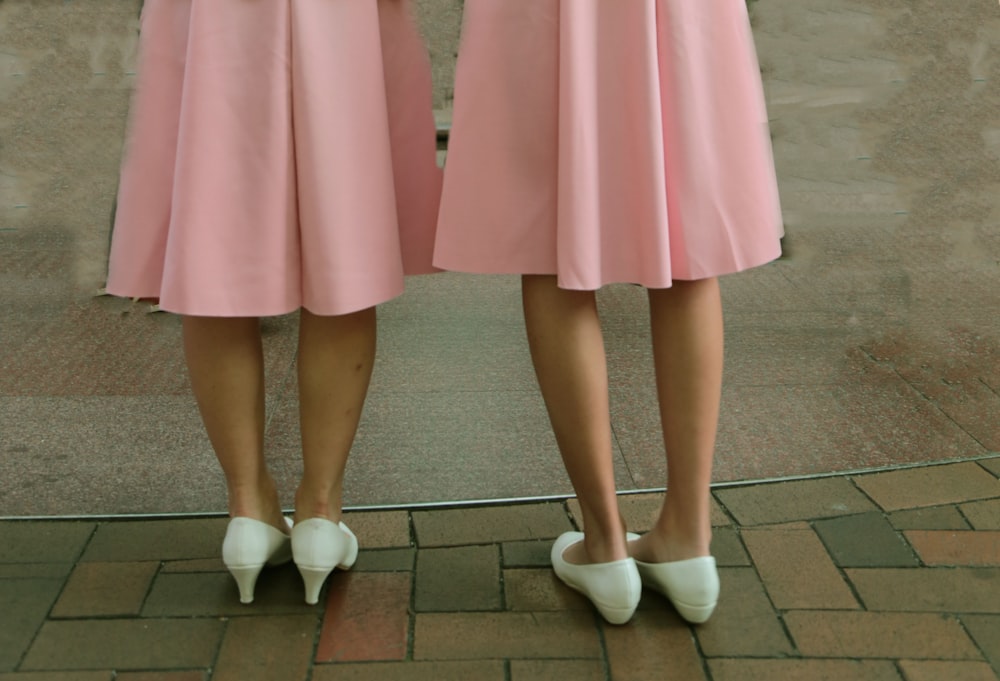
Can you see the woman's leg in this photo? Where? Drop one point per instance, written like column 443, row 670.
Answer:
column 226, row 365
column 336, row 355
column 688, row 351
column 567, row 348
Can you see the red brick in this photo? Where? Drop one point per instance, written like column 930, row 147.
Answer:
column 497, row 635
column 802, row 670
column 796, row 570
column 824, row 633
column 546, row 670
column 744, row 624
column 655, row 641
column 956, row 548
column 539, row 590
column 380, row 529
column 266, row 648
column 462, row 670
column 367, row 618
column 105, row 589
column 970, row 590
column 929, row 486
column 936, row 670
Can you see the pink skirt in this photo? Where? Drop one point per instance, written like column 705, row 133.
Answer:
column 281, row 155
column 608, row 142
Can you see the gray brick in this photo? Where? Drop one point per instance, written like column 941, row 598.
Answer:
column 24, row 603
column 458, row 579
column 43, row 541
column 157, row 540
column 458, row 527
column 279, row 590
column 527, row 553
column 386, row 560
column 865, row 540
column 125, row 644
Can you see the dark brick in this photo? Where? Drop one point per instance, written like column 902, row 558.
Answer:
column 535, row 553
column 25, row 603
column 386, row 560
column 864, row 540
column 43, row 541
column 744, row 624
column 281, row 647
column 456, row 579
column 458, row 527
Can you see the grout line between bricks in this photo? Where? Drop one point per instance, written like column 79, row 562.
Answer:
column 411, row 620
column 605, row 658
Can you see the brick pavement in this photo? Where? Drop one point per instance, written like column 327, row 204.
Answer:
column 890, row 576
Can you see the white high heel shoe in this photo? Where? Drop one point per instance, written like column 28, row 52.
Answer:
column 614, row 588
column 318, row 546
column 249, row 546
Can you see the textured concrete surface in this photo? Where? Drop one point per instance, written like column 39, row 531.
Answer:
column 874, row 342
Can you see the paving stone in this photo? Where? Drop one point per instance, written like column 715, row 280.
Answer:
column 982, row 515
column 196, row 565
column 991, row 464
column 971, row 590
column 796, row 570
column 367, row 618
column 789, row 501
column 655, row 641
column 43, row 541
column 157, row 540
column 744, row 623
column 498, row 635
column 946, row 547
column 535, row 590
column 825, row 633
column 60, row 676
column 461, row 526
column 803, row 670
column 985, row 631
column 125, row 644
column 25, row 603
column 386, row 560
column 547, row 670
column 35, row 570
column 935, row 518
column 929, row 486
column 937, row 670
column 279, row 590
column 281, row 647
column 864, row 540
column 380, row 529
column 194, row 675
column 727, row 547
column 461, row 670
column 527, row 553
column 458, row 578
column 105, row 589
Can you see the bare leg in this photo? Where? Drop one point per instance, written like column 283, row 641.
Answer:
column 226, row 364
column 688, row 350
column 336, row 355
column 567, row 348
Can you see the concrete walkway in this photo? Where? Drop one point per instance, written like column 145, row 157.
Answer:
column 882, row 577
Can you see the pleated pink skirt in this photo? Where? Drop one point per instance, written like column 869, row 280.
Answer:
column 608, row 142
column 281, row 154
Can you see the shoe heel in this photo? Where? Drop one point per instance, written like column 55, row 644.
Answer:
column 246, row 580
column 313, row 579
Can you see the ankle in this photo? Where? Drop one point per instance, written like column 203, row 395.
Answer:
column 310, row 504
